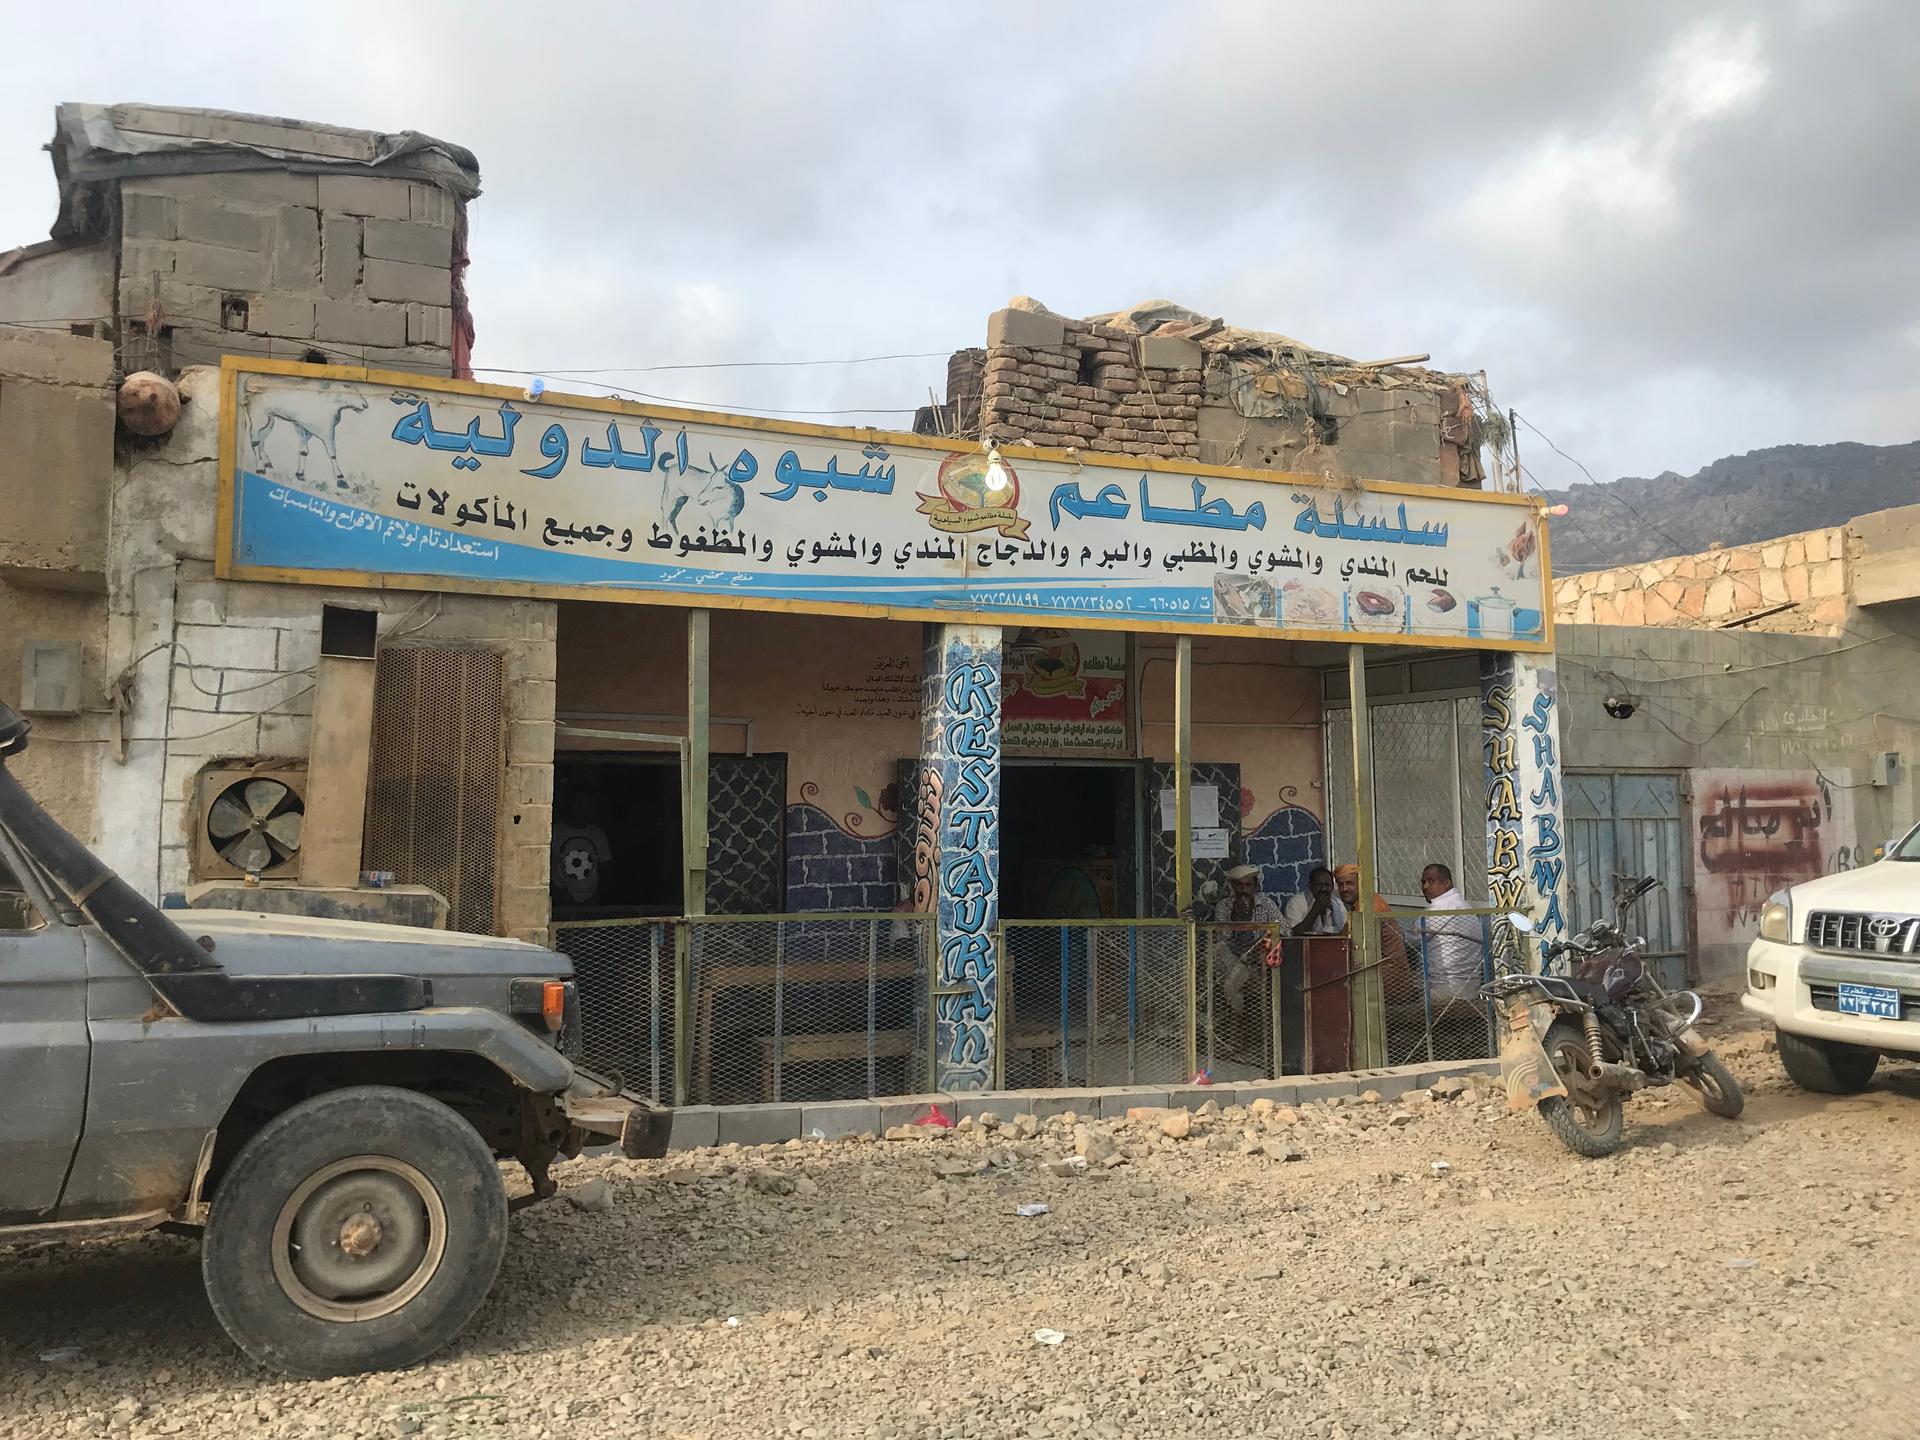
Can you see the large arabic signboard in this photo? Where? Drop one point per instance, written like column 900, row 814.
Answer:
column 336, row 476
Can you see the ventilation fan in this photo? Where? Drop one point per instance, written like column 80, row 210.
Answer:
column 250, row 823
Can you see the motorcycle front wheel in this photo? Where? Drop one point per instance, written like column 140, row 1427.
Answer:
column 1719, row 1092
column 1590, row 1129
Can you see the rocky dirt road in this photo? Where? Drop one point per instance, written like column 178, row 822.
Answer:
column 1428, row 1269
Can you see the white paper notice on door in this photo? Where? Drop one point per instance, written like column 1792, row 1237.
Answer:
column 1206, row 808
column 1210, row 844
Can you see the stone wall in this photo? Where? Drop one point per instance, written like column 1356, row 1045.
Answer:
column 356, row 269
column 1058, row 382
column 1798, row 584
column 1162, row 383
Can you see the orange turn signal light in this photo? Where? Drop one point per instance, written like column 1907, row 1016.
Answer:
column 553, row 1003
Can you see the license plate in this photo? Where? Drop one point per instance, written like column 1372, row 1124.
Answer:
column 1880, row 1000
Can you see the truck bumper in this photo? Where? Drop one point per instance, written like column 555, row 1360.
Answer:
column 638, row 1127
column 1781, row 979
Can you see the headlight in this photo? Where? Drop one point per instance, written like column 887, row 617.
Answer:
column 1776, row 918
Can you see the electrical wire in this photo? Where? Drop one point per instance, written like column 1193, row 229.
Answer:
column 710, row 365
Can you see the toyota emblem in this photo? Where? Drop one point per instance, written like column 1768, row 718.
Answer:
column 1884, row 927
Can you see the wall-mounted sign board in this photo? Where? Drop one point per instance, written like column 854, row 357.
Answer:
column 336, row 476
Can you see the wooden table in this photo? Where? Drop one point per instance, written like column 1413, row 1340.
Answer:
column 719, row 978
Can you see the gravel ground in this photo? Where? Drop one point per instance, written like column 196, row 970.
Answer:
column 1435, row 1268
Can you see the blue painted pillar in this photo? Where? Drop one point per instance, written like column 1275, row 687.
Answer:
column 957, row 845
column 1527, row 855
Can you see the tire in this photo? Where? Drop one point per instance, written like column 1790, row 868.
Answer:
column 1592, row 1132
column 1719, row 1092
column 1826, row 1067
column 432, row 1243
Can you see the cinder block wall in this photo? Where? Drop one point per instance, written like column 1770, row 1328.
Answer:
column 356, row 268
column 56, row 451
column 223, row 670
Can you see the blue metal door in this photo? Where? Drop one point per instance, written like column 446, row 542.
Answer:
column 1632, row 823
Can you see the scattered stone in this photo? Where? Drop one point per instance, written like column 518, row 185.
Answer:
column 595, row 1197
column 1176, row 1124
column 1210, row 1108
column 1094, row 1146
column 918, row 1132
column 954, row 1169
column 1280, row 1150
column 1399, row 1119
column 1066, row 1166
column 1262, row 1107
column 771, row 1182
column 1158, row 1275
column 1370, row 1097
column 1447, row 1087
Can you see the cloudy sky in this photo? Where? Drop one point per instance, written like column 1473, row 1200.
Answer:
column 1667, row 232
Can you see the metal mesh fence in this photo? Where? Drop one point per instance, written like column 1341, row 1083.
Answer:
column 811, row 1007
column 1429, row 802
column 624, row 973
column 1433, row 965
column 1245, row 975
column 1095, row 1003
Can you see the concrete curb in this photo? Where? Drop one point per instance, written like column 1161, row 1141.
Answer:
column 698, row 1126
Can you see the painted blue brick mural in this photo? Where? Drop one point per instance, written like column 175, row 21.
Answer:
column 1286, row 845
column 831, row 869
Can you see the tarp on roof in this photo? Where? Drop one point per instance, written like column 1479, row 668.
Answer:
column 93, row 144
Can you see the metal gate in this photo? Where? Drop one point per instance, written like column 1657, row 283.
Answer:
column 1627, row 823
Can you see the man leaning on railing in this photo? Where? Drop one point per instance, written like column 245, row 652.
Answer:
column 1452, row 947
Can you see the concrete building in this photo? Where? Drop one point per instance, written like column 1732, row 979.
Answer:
column 1740, row 720
column 842, row 761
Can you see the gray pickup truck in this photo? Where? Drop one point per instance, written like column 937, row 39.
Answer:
column 325, row 1102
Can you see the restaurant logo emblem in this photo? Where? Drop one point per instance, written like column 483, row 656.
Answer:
column 977, row 492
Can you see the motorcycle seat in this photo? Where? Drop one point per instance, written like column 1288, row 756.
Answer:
column 1594, row 992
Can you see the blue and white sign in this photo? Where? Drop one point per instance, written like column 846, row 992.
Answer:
column 336, row 479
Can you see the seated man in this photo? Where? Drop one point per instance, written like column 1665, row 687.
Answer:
column 1244, row 904
column 1451, row 944
column 1396, row 974
column 1317, row 909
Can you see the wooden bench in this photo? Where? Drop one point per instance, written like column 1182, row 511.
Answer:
column 844, row 1045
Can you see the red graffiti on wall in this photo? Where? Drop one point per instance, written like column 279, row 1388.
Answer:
column 1772, row 826
column 1757, row 835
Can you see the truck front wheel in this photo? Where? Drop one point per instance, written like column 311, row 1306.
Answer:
column 1826, row 1067
column 359, row 1230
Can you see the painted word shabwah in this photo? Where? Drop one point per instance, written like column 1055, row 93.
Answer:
column 335, row 476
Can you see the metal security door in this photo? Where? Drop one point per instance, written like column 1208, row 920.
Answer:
column 1632, row 824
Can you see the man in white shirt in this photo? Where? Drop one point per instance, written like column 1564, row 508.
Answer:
column 1317, row 909
column 1450, row 944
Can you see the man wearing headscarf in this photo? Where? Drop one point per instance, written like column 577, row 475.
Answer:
column 1245, row 904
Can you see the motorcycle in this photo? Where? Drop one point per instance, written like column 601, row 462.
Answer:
column 1578, row 1044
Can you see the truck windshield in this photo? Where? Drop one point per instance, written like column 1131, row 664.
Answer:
column 1907, row 849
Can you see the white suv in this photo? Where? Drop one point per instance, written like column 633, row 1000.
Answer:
column 1837, row 970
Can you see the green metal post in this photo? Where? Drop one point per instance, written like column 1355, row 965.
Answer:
column 1183, row 833
column 1367, row 995
column 693, row 829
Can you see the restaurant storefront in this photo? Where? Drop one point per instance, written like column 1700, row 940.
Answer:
column 883, row 764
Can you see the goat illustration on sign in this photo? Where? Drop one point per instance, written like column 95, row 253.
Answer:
column 311, row 415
